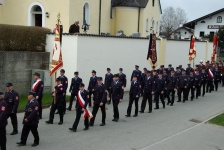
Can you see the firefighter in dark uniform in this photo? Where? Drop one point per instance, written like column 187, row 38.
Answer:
column 216, row 78
column 12, row 99
column 74, row 89
column 136, row 73
column 165, row 78
column 100, row 99
column 191, row 85
column 58, row 101
column 197, row 83
column 158, row 90
column 182, row 85
column 210, row 86
column 117, row 95
column 142, row 81
column 38, row 88
column 92, row 84
column 64, row 82
column 171, row 87
column 204, row 79
column 169, row 69
column 3, row 122
column 122, row 79
column 189, row 69
column 134, row 95
column 154, row 75
column 30, row 120
column 108, row 80
column 79, row 109
column 147, row 93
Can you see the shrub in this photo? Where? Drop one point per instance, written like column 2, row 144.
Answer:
column 22, row 38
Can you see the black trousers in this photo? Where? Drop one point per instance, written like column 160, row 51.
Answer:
column 90, row 98
column 131, row 100
column 73, row 95
column 216, row 83
column 147, row 96
column 222, row 80
column 158, row 96
column 3, row 138
column 184, row 91
column 60, row 111
column 115, row 108
column 95, row 110
column 77, row 119
column 40, row 107
column 13, row 117
column 198, row 90
column 209, row 86
column 172, row 92
column 192, row 90
column 64, row 104
column 203, row 85
column 26, row 130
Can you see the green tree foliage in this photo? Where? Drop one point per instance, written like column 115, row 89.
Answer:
column 221, row 37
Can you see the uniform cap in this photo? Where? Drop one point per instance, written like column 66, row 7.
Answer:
column 136, row 66
column 121, row 69
column 58, row 79
column 81, row 85
column 62, row 70
column 93, row 71
column 108, row 69
column 188, row 64
column 180, row 65
column 32, row 93
column 36, row 74
column 99, row 78
column 76, row 73
column 162, row 66
column 9, row 84
column 177, row 68
column 144, row 68
column 183, row 70
column 170, row 65
column 116, row 75
column 1, row 93
column 148, row 71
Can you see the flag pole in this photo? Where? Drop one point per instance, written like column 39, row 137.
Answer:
column 153, row 65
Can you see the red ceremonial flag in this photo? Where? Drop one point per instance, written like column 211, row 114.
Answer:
column 192, row 51
column 152, row 54
column 215, row 46
column 56, row 62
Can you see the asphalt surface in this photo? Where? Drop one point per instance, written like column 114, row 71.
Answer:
column 180, row 127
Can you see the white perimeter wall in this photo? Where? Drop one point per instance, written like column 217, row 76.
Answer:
column 87, row 53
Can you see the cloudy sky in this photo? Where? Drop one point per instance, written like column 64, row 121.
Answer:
column 195, row 8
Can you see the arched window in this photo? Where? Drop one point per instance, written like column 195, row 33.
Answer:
column 147, row 25
column 153, row 3
column 86, row 14
column 36, row 15
column 157, row 26
column 153, row 24
column 219, row 19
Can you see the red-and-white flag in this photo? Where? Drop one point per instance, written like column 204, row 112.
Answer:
column 56, row 62
column 215, row 47
column 87, row 113
column 210, row 73
column 192, row 51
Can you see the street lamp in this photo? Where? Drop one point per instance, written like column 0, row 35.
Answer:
column 85, row 27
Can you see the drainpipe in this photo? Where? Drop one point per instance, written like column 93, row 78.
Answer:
column 100, row 17
column 138, row 18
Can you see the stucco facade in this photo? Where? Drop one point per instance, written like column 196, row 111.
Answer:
column 26, row 12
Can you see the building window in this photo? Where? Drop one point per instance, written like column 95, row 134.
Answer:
column 212, row 33
column 153, row 3
column 153, row 24
column 86, row 14
column 219, row 19
column 202, row 21
column 202, row 33
column 185, row 33
column 147, row 25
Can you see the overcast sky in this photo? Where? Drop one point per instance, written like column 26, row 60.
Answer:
column 194, row 8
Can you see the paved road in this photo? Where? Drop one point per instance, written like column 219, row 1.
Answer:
column 164, row 129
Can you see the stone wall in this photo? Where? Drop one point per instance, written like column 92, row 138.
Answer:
column 16, row 67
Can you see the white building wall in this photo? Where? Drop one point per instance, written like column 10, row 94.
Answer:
column 209, row 21
column 86, row 53
column 182, row 33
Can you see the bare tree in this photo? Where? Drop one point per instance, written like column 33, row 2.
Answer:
column 171, row 20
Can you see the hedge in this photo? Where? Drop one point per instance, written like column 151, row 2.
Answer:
column 22, row 38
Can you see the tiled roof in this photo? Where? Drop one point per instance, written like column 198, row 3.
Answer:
column 130, row 3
